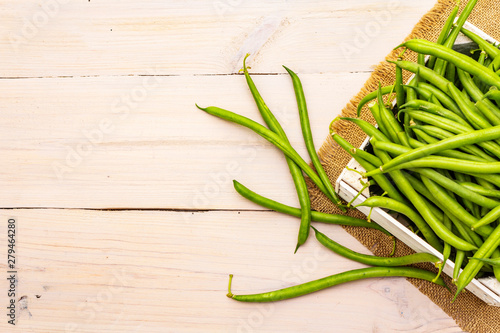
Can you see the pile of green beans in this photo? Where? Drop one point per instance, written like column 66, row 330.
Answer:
column 443, row 156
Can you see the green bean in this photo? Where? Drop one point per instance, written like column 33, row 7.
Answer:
column 306, row 133
column 446, row 100
column 493, row 179
column 438, row 121
column 457, row 188
column 295, row 171
column 471, row 207
column 481, row 60
column 481, row 190
column 278, row 142
column 375, row 111
column 489, row 48
column 491, row 217
column 383, row 123
column 495, row 64
column 371, row 96
column 441, row 133
column 435, row 109
column 411, row 94
column 370, row 162
column 449, row 143
column 392, row 125
column 418, row 202
column 485, row 106
column 333, row 280
column 446, row 248
column 458, row 59
column 450, row 72
column 444, row 233
column 444, row 33
column 447, row 206
column 493, row 262
column 362, row 154
column 439, row 67
column 368, row 128
column 448, row 153
column 374, row 260
column 485, row 184
column 443, row 199
column 400, row 91
column 493, row 94
column 391, row 204
column 473, row 267
column 395, row 149
column 448, row 87
column 315, row 216
column 459, row 259
column 447, row 163
column 489, row 110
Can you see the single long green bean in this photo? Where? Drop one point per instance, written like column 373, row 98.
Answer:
column 392, row 126
column 487, row 192
column 484, row 252
column 307, row 134
column 442, row 180
column 446, row 163
column 452, row 206
column 418, row 202
column 398, row 86
column 491, row 217
column 370, row 162
column 483, row 44
column 446, row 100
column 333, row 280
column 439, row 67
column 277, row 141
column 447, row 206
column 441, row 133
column 371, row 96
column 391, row 204
column 449, row 143
column 459, row 259
column 367, row 259
column 435, row 109
column 445, row 31
column 295, row 171
column 446, row 248
column 485, row 106
column 315, row 216
column 448, row 87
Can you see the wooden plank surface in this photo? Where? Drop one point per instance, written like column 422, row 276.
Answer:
column 98, row 112
column 160, row 151
column 150, row 271
column 117, row 37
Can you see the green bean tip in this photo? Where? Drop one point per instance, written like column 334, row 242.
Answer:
column 400, row 45
column 199, row 107
column 229, row 293
column 288, row 70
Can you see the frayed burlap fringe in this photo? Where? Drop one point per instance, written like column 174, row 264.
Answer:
column 470, row 313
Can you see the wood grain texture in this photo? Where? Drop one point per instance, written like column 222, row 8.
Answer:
column 153, row 272
column 199, row 37
column 113, row 149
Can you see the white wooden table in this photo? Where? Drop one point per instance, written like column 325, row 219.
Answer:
column 121, row 189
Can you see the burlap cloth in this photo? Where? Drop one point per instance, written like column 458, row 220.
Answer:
column 469, row 312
